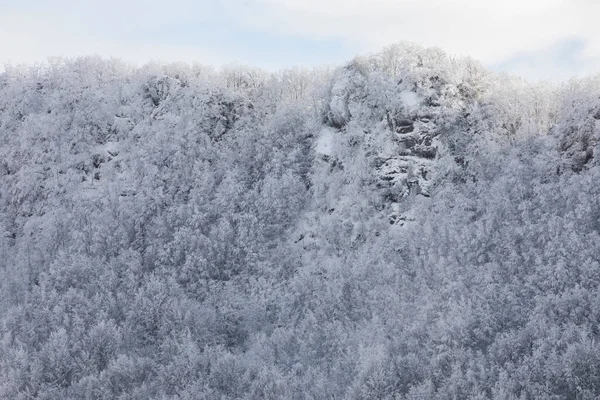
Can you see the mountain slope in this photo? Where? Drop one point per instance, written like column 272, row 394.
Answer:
column 406, row 226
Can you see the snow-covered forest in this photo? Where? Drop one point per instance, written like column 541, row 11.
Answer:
column 406, row 226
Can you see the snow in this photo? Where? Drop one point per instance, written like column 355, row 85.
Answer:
column 265, row 251
column 410, row 99
column 325, row 142
column 110, row 148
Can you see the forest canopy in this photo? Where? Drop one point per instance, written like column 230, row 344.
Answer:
column 406, row 226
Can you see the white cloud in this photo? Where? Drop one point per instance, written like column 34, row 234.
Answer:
column 491, row 31
column 26, row 38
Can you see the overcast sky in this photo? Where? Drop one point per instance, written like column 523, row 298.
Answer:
column 537, row 39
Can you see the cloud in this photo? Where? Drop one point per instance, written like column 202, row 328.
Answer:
column 514, row 35
column 26, row 39
column 564, row 60
column 491, row 31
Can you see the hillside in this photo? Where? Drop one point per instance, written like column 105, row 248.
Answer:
column 406, row 226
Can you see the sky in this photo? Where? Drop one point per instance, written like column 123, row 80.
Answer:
column 536, row 39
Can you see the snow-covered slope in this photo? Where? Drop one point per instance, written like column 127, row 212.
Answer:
column 406, row 226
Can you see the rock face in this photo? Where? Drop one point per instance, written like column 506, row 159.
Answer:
column 579, row 141
column 397, row 121
column 577, row 124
